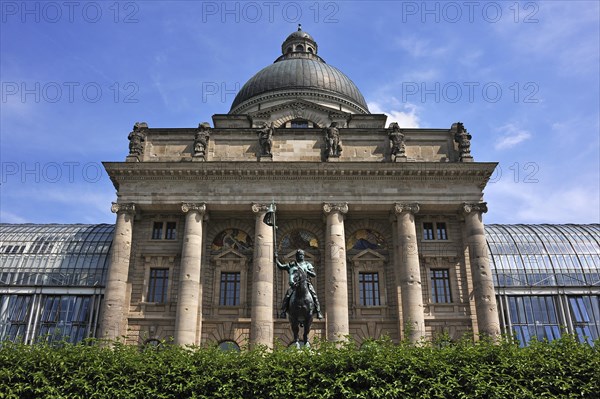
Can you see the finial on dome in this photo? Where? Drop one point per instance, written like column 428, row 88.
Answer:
column 299, row 27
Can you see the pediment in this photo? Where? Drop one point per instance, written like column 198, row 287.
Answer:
column 230, row 254
column 368, row 255
column 299, row 109
column 290, row 256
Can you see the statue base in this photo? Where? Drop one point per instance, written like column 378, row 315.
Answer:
column 132, row 158
column 400, row 159
column 467, row 159
column 198, row 158
column 265, row 158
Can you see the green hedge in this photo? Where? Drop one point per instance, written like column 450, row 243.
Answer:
column 563, row 368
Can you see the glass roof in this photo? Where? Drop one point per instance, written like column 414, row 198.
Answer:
column 544, row 254
column 54, row 254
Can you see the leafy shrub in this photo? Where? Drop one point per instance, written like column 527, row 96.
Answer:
column 378, row 369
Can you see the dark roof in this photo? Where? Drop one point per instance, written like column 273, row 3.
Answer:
column 300, row 73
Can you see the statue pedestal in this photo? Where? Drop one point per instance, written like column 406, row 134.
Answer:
column 468, row 158
column 400, row 159
column 198, row 158
column 265, row 158
column 333, row 159
column 132, row 158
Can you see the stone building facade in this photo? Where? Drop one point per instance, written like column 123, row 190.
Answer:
column 390, row 217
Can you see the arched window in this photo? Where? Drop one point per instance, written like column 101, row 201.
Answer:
column 227, row 346
column 310, row 50
column 299, row 47
column 288, row 50
column 299, row 124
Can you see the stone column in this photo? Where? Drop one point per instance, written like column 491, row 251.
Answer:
column 115, row 307
column 261, row 324
column 336, row 277
column 410, row 273
column 188, row 321
column 483, row 285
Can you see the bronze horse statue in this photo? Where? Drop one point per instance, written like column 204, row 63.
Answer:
column 301, row 308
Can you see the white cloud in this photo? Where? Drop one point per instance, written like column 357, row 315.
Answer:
column 519, row 202
column 511, row 136
column 406, row 116
column 419, row 47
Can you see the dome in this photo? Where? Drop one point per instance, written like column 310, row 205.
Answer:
column 297, row 73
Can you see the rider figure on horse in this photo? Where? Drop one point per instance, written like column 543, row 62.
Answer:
column 291, row 268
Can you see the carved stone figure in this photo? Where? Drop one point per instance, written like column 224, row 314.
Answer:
column 463, row 138
column 265, row 139
column 201, row 139
column 397, row 139
column 332, row 140
column 137, row 138
column 292, row 268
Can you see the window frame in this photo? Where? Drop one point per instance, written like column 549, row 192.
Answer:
column 224, row 291
column 446, row 285
column 375, row 291
column 165, row 286
column 167, row 230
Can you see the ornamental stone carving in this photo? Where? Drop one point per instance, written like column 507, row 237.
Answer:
column 265, row 139
column 463, row 138
column 201, row 140
column 396, row 137
column 475, row 207
column 197, row 207
column 341, row 207
column 257, row 208
column 137, row 138
column 298, row 110
column 122, row 207
column 333, row 145
column 412, row 208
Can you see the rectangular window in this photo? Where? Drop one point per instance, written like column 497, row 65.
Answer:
column 157, row 230
column 440, row 286
column 533, row 316
column 230, row 289
column 157, row 285
column 442, row 234
column 171, row 231
column 368, row 288
column 427, row 231
column 585, row 312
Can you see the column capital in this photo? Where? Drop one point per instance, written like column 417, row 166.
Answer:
column 411, row 208
column 198, row 207
column 122, row 207
column 474, row 207
column 341, row 207
column 258, row 208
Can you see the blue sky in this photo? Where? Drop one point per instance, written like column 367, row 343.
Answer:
column 522, row 76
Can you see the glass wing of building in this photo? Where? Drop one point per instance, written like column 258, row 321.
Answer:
column 52, row 280
column 52, row 277
column 547, row 279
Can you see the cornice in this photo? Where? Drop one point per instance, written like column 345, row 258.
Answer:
column 476, row 172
